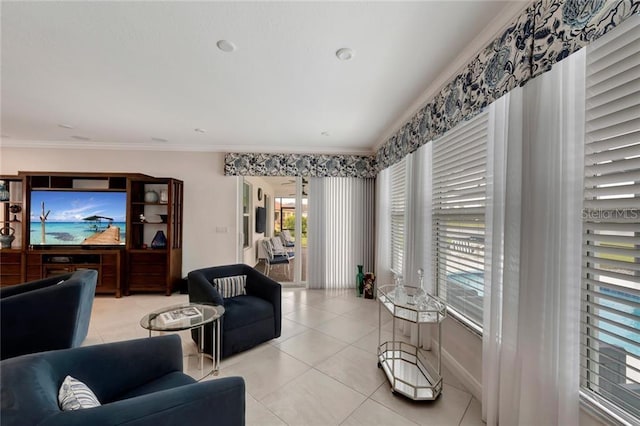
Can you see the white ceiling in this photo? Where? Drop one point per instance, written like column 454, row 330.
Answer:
column 284, row 186
column 122, row 73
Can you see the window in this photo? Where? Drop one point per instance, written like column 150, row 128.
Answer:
column 285, row 219
column 398, row 206
column 610, row 320
column 246, row 213
column 459, row 183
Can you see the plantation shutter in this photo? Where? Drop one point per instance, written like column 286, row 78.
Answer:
column 459, row 193
column 398, row 207
column 610, row 320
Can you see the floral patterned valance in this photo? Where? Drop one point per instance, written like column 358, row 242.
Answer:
column 545, row 33
column 319, row 165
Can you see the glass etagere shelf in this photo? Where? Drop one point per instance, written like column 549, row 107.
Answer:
column 410, row 371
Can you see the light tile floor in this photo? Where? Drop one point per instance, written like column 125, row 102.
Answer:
column 321, row 371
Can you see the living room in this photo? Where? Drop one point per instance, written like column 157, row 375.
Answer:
column 212, row 201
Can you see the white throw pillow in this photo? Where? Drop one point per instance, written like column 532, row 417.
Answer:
column 75, row 395
column 231, row 286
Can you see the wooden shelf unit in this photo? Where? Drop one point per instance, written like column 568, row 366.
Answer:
column 12, row 259
column 154, row 269
column 48, row 263
column 132, row 267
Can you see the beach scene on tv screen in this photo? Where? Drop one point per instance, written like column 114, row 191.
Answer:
column 77, row 218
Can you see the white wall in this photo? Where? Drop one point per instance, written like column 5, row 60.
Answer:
column 250, row 254
column 462, row 354
column 210, row 224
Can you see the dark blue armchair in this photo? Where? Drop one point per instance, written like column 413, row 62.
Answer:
column 249, row 319
column 46, row 314
column 138, row 382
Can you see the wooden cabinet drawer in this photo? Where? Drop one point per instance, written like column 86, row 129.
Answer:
column 10, row 280
column 50, row 271
column 10, row 268
column 147, row 271
column 147, row 281
column 148, row 256
column 10, row 257
column 109, row 260
column 147, row 268
column 109, row 270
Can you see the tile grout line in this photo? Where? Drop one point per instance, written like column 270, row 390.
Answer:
column 353, row 411
column 386, row 406
column 266, row 408
column 465, row 411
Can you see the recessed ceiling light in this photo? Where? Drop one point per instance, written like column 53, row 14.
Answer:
column 81, row 138
column 199, row 130
column 159, row 140
column 65, row 126
column 325, row 133
column 344, row 54
column 226, row 46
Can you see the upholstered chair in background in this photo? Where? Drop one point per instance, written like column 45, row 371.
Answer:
column 250, row 318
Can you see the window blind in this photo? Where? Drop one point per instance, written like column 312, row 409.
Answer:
column 398, row 192
column 459, row 193
column 610, row 296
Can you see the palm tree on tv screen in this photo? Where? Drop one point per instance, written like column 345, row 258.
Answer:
column 43, row 218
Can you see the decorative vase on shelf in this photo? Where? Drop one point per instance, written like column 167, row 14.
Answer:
column 6, row 237
column 360, row 281
column 4, row 191
column 164, row 196
column 159, row 240
column 151, row 197
column 15, row 209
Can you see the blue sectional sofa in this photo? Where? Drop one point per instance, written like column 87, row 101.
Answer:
column 249, row 319
column 137, row 382
column 47, row 314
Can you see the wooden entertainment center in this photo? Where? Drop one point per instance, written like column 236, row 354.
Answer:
column 141, row 263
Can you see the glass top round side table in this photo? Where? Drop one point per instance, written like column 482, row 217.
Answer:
column 189, row 316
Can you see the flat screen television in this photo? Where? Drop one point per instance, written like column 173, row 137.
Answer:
column 261, row 219
column 77, row 218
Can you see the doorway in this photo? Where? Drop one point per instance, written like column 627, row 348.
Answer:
column 282, row 198
column 291, row 211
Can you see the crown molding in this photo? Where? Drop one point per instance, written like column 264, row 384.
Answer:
column 487, row 35
column 134, row 146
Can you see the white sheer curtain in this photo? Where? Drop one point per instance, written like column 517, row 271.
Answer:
column 532, row 280
column 383, row 228
column 341, row 230
column 418, row 218
column 418, row 238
